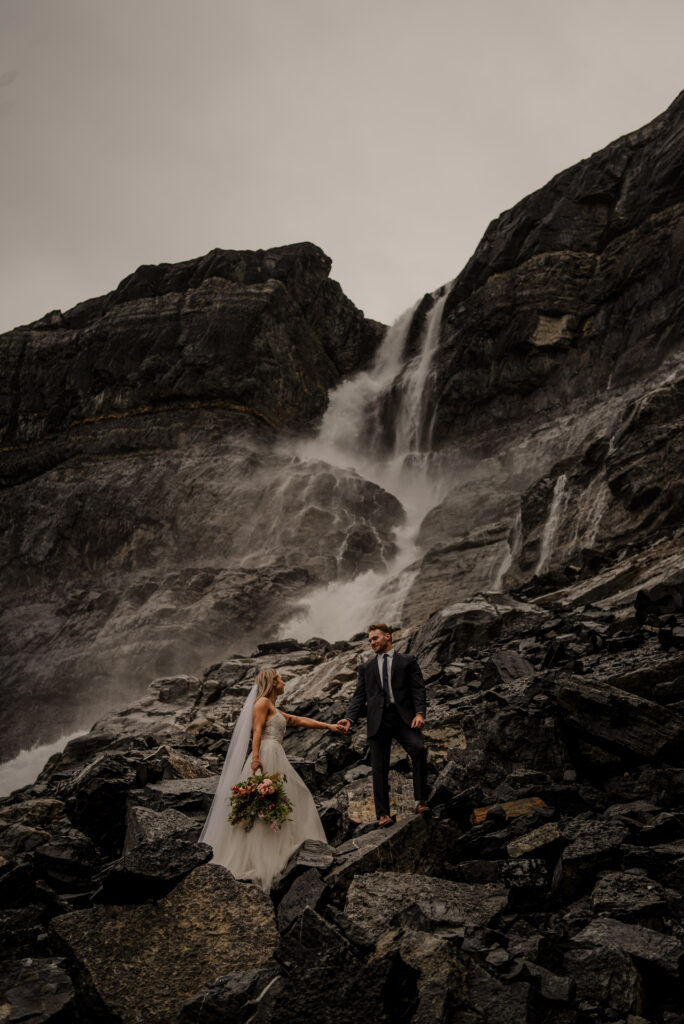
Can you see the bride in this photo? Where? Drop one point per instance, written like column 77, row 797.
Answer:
column 260, row 854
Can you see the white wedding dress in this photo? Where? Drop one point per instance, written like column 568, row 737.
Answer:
column 260, row 854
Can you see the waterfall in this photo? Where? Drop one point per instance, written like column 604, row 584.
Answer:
column 23, row 769
column 351, row 417
column 597, row 509
column 348, row 438
column 515, row 540
column 591, row 506
column 551, row 525
column 410, row 424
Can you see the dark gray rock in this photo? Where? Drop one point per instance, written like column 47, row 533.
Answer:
column 593, row 845
column 307, row 890
column 401, row 847
column 159, row 850
column 192, row 797
column 95, row 799
column 552, row 987
column 17, row 838
column 125, row 952
column 17, row 881
column 38, row 812
column 146, row 828
column 588, row 228
column 505, row 667
column 311, row 854
column 376, row 901
column 450, row 632
column 540, row 841
column 68, row 862
column 434, row 965
column 448, row 785
column 633, row 897
column 605, row 978
column 323, row 980
column 621, row 721
column 663, row 599
column 36, row 991
column 233, row 997
column 664, row 862
column 498, row 1003
column 20, row 930
column 663, row 951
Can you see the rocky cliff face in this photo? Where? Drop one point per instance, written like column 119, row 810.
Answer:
column 518, row 496
column 555, row 396
column 149, row 519
column 153, row 515
column 574, row 291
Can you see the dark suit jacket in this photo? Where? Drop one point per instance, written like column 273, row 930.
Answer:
column 407, row 685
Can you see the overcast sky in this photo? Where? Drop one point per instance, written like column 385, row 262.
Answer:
column 389, row 132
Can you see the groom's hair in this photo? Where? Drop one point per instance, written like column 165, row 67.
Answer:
column 382, row 626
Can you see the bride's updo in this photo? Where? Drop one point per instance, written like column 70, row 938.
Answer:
column 265, row 681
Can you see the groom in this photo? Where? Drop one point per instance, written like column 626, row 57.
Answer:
column 391, row 692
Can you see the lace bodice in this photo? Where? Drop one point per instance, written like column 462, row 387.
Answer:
column 275, row 728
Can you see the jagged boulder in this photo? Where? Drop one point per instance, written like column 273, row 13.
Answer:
column 606, row 978
column 378, row 901
column 450, row 632
column 634, row 727
column 36, row 991
column 663, row 951
column 207, row 926
column 593, row 844
column 159, row 850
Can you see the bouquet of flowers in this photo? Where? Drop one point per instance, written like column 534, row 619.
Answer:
column 260, row 797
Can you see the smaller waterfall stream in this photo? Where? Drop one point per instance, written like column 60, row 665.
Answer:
column 551, row 525
column 348, row 438
column 515, row 540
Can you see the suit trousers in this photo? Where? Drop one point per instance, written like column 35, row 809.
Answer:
column 392, row 727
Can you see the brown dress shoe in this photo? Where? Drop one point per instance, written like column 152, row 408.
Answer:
column 422, row 809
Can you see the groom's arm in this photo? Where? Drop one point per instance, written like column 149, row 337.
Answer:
column 357, row 705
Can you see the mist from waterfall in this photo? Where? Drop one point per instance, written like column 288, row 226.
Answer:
column 351, row 436
column 23, row 769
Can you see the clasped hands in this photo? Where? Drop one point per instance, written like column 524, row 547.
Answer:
column 344, row 725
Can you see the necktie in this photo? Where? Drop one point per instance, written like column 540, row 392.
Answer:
column 385, row 678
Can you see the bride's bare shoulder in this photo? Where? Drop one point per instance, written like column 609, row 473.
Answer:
column 262, row 706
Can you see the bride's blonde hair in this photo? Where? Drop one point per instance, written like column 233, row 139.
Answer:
column 265, row 681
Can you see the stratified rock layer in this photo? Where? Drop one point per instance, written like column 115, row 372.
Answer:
column 149, row 520
column 575, row 289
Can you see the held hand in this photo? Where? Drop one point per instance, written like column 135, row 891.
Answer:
column 344, row 725
column 418, row 722
column 337, row 727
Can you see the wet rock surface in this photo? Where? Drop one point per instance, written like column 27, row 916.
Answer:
column 546, row 884
column 546, row 609
column 208, row 926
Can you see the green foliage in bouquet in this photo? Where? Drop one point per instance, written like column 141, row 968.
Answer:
column 261, row 797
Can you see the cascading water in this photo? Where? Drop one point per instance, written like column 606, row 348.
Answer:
column 551, row 525
column 515, row 539
column 349, row 437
